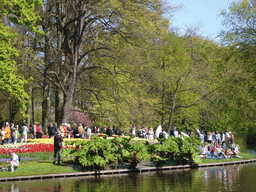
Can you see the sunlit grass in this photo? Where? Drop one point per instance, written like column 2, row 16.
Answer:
column 245, row 155
column 38, row 168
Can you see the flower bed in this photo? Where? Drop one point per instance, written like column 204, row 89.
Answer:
column 37, row 150
column 65, row 140
column 51, row 140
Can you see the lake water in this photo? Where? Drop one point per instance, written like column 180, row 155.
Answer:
column 226, row 178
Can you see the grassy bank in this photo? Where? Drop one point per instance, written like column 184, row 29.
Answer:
column 39, row 168
column 245, row 156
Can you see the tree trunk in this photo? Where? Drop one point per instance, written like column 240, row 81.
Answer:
column 59, row 104
column 63, row 106
column 163, row 98
column 29, row 106
column 32, row 104
column 46, row 105
column 172, row 113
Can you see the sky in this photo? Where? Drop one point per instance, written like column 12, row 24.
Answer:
column 203, row 12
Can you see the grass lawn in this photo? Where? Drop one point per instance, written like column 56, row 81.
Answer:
column 38, row 168
column 245, row 156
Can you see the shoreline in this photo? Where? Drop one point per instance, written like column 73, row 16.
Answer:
column 121, row 171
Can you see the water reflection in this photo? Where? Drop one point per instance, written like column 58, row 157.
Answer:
column 227, row 178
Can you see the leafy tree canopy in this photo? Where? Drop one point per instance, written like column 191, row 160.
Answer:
column 19, row 12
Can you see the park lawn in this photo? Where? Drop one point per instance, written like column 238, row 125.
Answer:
column 245, row 156
column 39, row 168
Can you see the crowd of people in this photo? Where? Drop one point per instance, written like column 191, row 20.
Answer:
column 216, row 144
column 10, row 132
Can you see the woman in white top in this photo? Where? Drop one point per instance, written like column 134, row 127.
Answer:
column 89, row 133
column 150, row 134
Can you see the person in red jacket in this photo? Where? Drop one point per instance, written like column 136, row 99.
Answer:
column 38, row 131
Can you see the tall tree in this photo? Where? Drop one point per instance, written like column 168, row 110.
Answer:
column 21, row 13
column 240, row 34
column 82, row 29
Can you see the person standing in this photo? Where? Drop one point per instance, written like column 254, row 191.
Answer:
column 7, row 133
column 172, row 131
column 39, row 130
column 227, row 139
column 213, row 137
column 209, row 138
column 217, row 137
column 110, row 131
column 24, row 130
column 80, row 130
column 89, row 133
column 61, row 129
column 150, row 134
column 57, row 147
column 69, row 130
column 50, row 128
column 2, row 136
column 14, row 162
column 76, row 132
column 13, row 130
column 201, row 136
column 133, row 131
column 55, row 129
column 141, row 132
column 34, row 130
column 223, row 144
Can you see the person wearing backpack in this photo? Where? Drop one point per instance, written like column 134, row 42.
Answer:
column 14, row 162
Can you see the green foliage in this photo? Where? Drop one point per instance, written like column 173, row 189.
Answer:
column 19, row 12
column 99, row 152
column 239, row 21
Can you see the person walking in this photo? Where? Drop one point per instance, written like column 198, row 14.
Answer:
column 57, row 147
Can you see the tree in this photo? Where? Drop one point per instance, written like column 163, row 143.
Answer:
column 21, row 13
column 240, row 23
column 240, row 36
column 83, row 29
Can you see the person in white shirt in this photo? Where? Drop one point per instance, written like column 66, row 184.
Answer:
column 176, row 134
column 89, row 133
column 24, row 129
column 14, row 162
column 150, row 134
column 2, row 136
